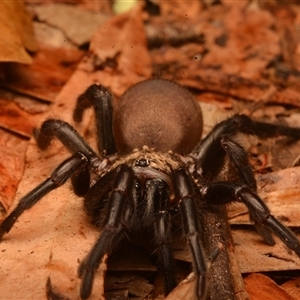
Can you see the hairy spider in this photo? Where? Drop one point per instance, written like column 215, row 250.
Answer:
column 152, row 164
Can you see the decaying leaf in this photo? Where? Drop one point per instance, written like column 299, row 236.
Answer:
column 185, row 290
column 262, row 287
column 12, row 149
column 16, row 33
column 119, row 58
column 44, row 243
column 78, row 25
column 292, row 287
column 280, row 191
column 45, row 77
column 41, row 253
column 15, row 119
column 57, row 256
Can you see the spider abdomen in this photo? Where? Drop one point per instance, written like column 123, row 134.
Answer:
column 159, row 114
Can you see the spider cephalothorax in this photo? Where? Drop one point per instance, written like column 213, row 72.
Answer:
column 152, row 163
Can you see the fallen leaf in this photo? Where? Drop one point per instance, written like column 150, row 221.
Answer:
column 45, row 77
column 53, row 243
column 15, row 119
column 253, row 255
column 120, row 58
column 47, row 243
column 16, row 33
column 280, row 191
column 12, row 152
column 262, row 287
column 78, row 24
column 184, row 290
column 292, row 287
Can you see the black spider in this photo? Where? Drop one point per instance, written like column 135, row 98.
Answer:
column 151, row 165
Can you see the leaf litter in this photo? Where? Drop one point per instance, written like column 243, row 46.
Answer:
column 224, row 65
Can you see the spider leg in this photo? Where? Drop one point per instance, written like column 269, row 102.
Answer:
column 59, row 176
column 257, row 208
column 93, row 200
column 67, row 135
column 74, row 142
column 210, row 152
column 239, row 159
column 184, row 193
column 101, row 99
column 219, row 146
column 157, row 204
column 113, row 228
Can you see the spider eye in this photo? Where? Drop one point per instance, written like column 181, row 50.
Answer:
column 142, row 162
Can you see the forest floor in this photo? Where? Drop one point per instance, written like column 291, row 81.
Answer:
column 233, row 56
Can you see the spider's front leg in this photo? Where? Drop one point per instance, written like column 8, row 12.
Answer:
column 74, row 142
column 184, row 192
column 59, row 176
column 157, row 196
column 113, row 227
column 101, row 100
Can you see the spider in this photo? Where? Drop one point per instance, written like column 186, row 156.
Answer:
column 151, row 165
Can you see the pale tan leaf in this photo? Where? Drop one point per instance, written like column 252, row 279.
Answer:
column 254, row 255
column 280, row 190
column 78, row 24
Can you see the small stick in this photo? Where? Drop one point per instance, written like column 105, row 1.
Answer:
column 226, row 282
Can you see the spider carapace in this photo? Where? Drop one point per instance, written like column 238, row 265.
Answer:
column 150, row 163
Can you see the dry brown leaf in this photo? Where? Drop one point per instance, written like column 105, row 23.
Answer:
column 184, row 290
column 15, row 119
column 280, row 191
column 180, row 10
column 239, row 46
column 262, row 287
column 16, row 33
column 59, row 210
column 254, row 255
column 248, row 48
column 47, row 243
column 50, row 239
column 44, row 78
column 78, row 25
column 12, row 152
column 292, row 287
column 120, row 56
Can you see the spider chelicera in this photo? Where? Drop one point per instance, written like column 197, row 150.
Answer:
column 152, row 164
